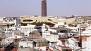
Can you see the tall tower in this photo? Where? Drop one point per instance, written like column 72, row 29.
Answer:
column 43, row 8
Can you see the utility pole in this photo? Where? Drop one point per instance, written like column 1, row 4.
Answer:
column 80, row 37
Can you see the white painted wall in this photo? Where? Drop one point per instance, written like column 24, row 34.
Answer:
column 9, row 40
column 87, row 44
column 27, row 29
column 72, row 44
column 50, row 37
column 59, row 23
column 42, row 48
column 25, row 44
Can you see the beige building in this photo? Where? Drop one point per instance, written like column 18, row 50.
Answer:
column 37, row 20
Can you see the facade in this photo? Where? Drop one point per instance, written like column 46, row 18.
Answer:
column 7, row 22
column 86, row 39
column 27, row 29
column 24, row 42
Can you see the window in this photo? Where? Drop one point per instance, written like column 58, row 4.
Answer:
column 0, row 39
column 79, row 44
column 63, row 31
column 36, row 20
column 65, row 23
column 65, row 50
column 48, row 35
column 63, row 42
column 8, row 40
column 60, row 36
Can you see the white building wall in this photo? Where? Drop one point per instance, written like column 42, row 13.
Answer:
column 59, row 23
column 87, row 44
column 42, row 48
column 18, row 36
column 59, row 42
column 27, row 29
column 9, row 40
column 25, row 44
column 73, row 44
column 51, row 38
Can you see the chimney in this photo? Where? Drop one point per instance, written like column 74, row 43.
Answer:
column 43, row 8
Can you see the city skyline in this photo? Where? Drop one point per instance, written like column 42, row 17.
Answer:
column 54, row 8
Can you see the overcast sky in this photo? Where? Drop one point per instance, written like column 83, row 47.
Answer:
column 54, row 7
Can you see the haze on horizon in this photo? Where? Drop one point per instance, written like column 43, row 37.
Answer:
column 54, row 7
